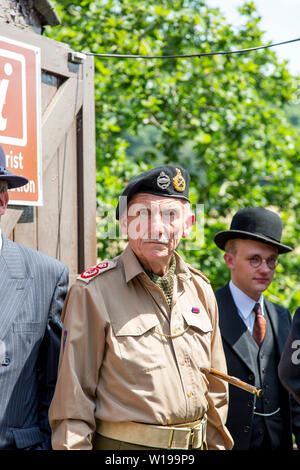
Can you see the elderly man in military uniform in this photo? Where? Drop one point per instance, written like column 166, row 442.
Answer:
column 140, row 335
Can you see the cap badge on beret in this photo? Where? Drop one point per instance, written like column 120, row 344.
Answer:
column 179, row 181
column 163, row 180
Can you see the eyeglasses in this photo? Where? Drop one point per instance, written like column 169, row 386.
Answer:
column 256, row 261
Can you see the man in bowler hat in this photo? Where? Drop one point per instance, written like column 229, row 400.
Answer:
column 254, row 331
column 33, row 288
column 140, row 335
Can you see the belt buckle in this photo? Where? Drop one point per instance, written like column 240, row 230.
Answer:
column 191, row 438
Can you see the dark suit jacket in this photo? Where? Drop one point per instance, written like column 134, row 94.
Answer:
column 33, row 288
column 289, row 366
column 239, row 362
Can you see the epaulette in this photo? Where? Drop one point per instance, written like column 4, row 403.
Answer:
column 90, row 273
column 196, row 271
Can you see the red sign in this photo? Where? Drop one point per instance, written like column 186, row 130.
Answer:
column 20, row 117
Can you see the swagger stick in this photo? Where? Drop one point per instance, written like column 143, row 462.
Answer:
column 237, row 382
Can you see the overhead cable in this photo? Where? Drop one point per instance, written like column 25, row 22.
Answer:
column 201, row 54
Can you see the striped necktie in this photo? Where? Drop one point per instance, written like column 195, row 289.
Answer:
column 259, row 329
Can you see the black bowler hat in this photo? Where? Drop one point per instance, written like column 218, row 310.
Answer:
column 13, row 181
column 168, row 180
column 254, row 223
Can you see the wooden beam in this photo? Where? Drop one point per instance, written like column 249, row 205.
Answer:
column 58, row 117
column 54, row 54
column 89, row 164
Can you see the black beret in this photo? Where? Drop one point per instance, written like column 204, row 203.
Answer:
column 254, row 223
column 167, row 180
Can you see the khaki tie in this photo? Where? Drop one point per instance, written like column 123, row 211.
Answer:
column 259, row 329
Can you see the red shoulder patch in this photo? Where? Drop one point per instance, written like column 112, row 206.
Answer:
column 95, row 270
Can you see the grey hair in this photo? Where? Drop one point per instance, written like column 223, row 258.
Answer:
column 187, row 209
column 3, row 186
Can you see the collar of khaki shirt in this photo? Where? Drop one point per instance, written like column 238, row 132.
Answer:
column 133, row 267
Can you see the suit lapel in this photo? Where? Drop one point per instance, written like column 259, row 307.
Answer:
column 233, row 329
column 14, row 283
column 278, row 322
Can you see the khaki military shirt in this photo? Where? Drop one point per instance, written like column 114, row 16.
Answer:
column 126, row 356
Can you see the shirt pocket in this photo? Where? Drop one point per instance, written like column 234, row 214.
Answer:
column 140, row 349
column 198, row 321
column 199, row 337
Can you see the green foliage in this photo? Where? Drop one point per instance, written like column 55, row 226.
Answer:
column 222, row 117
column 293, row 113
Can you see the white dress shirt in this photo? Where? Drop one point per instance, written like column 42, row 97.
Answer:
column 244, row 305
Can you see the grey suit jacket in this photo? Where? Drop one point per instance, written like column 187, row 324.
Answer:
column 33, row 288
column 240, row 364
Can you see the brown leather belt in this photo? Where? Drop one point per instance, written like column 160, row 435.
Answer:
column 182, row 436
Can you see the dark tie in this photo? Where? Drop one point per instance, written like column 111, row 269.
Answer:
column 260, row 323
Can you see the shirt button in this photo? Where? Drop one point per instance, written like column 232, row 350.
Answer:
column 190, row 394
column 182, row 363
column 175, row 331
column 246, row 428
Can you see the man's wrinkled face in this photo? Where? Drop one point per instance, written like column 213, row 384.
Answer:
column 155, row 225
column 251, row 280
